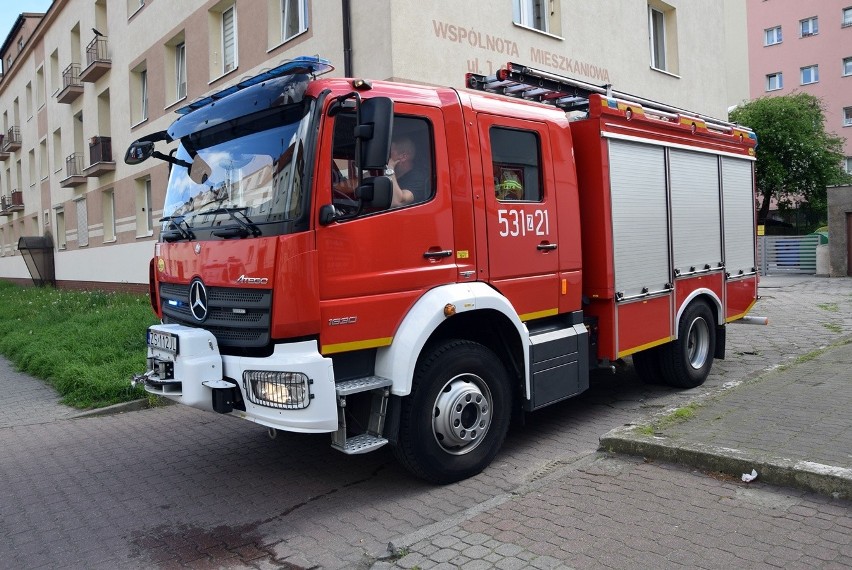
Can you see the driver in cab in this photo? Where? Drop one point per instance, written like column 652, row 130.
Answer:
column 410, row 181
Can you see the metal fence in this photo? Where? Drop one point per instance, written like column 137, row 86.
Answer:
column 787, row 254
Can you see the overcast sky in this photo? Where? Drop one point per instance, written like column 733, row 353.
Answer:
column 11, row 9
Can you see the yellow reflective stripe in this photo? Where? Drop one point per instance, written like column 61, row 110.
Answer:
column 538, row 314
column 645, row 346
column 356, row 345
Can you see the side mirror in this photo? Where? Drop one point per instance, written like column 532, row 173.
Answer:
column 375, row 193
column 374, row 131
column 138, row 152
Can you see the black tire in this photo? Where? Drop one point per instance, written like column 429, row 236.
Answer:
column 686, row 362
column 648, row 365
column 457, row 415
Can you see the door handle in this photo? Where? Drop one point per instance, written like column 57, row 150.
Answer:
column 438, row 254
column 546, row 246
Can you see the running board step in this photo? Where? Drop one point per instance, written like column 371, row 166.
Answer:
column 363, row 443
column 349, row 387
column 372, row 439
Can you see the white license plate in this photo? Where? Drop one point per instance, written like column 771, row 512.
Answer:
column 163, row 341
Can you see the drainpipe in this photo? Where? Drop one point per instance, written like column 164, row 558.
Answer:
column 347, row 38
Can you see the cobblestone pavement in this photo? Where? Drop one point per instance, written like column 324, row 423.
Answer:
column 175, row 487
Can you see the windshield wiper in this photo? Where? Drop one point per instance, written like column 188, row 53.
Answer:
column 176, row 231
column 245, row 228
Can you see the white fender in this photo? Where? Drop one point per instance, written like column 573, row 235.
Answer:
column 398, row 360
column 720, row 315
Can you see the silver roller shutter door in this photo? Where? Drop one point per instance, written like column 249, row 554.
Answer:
column 639, row 217
column 738, row 195
column 696, row 211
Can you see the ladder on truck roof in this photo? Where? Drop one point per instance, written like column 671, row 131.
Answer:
column 570, row 94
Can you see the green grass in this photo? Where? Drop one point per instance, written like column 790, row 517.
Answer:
column 85, row 344
column 675, row 417
column 830, row 307
column 833, row 327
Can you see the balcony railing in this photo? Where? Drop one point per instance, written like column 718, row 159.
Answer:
column 71, row 86
column 98, row 60
column 12, row 140
column 74, row 175
column 100, row 155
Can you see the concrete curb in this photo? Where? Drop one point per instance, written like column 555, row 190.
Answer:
column 132, row 406
column 824, row 479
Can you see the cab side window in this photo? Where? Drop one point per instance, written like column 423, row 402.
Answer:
column 411, row 160
column 516, row 162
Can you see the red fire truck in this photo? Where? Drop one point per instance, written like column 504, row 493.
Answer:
column 416, row 265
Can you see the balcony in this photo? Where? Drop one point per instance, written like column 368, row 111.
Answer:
column 98, row 60
column 100, row 157
column 71, row 86
column 11, row 204
column 3, row 154
column 73, row 171
column 16, row 204
column 12, row 140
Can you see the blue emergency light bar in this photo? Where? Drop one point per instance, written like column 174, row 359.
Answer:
column 307, row 64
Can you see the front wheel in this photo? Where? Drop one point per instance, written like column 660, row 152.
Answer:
column 686, row 362
column 457, row 415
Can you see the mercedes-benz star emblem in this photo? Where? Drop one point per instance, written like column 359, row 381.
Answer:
column 198, row 300
column 197, row 248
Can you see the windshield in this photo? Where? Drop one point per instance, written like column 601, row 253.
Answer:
column 243, row 173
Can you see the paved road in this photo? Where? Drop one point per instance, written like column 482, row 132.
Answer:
column 175, row 487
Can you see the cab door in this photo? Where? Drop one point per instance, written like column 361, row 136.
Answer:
column 521, row 221
column 373, row 267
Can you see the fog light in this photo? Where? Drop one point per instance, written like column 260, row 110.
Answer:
column 283, row 390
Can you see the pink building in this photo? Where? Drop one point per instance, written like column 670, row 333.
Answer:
column 805, row 46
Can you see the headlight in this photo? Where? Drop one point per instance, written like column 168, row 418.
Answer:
column 283, row 390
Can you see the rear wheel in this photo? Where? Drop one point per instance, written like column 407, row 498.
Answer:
column 686, row 362
column 457, row 415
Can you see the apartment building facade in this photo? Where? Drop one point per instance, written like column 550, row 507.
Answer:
column 90, row 76
column 805, row 47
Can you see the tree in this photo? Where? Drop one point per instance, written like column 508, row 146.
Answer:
column 796, row 157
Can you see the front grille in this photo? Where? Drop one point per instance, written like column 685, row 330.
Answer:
column 236, row 317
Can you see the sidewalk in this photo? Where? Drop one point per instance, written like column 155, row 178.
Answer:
column 792, row 425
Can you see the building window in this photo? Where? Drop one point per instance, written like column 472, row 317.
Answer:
column 229, row 40
column 847, row 17
column 109, row 215
column 848, row 165
column 772, row 36
column 662, row 35
column 40, row 88
column 847, row 66
column 810, row 74
column 58, row 161
column 134, row 6
column 143, row 94
column 82, row 223
column 774, row 81
column 180, row 70
column 294, row 19
column 174, row 71
column 139, row 93
column 44, row 169
column 61, row 241
column 29, row 100
column 847, row 117
column 537, row 14
column 809, row 27
column 657, row 24
column 144, row 215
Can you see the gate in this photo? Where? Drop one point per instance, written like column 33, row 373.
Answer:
column 787, row 254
